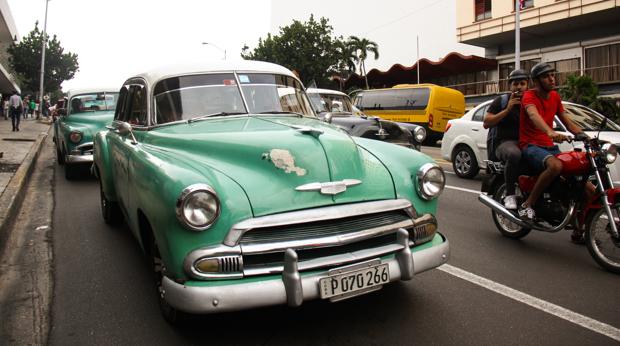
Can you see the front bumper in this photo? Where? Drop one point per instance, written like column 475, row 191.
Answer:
column 293, row 287
column 79, row 159
column 82, row 153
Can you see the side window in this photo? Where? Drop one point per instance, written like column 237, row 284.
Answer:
column 479, row 115
column 123, row 101
column 136, row 113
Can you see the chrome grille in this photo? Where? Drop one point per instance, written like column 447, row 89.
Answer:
column 229, row 264
column 323, row 228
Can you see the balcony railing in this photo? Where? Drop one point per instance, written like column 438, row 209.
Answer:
column 600, row 75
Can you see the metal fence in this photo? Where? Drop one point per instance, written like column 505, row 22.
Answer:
column 600, row 75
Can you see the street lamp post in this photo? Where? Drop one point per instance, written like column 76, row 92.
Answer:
column 44, row 45
column 221, row 50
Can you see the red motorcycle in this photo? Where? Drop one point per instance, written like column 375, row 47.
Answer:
column 563, row 202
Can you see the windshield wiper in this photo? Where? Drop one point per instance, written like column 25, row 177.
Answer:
column 282, row 112
column 218, row 114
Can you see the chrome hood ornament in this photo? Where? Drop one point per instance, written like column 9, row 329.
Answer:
column 329, row 188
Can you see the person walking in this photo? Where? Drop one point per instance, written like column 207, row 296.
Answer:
column 25, row 107
column 15, row 104
column 32, row 106
column 5, row 108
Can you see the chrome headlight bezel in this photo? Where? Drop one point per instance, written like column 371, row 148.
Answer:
column 425, row 187
column 609, row 152
column 76, row 136
column 419, row 134
column 187, row 195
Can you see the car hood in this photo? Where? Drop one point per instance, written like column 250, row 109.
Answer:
column 89, row 123
column 269, row 157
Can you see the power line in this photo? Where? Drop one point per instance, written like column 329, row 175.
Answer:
column 418, row 10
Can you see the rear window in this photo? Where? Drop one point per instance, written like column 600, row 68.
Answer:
column 396, row 99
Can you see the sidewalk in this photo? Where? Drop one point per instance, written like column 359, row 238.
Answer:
column 19, row 151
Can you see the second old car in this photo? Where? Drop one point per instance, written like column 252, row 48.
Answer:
column 335, row 107
column 86, row 112
column 242, row 198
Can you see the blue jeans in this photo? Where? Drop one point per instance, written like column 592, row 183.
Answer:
column 536, row 156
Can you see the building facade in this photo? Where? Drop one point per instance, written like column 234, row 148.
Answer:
column 576, row 36
column 8, row 33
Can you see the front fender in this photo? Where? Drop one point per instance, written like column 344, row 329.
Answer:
column 102, row 167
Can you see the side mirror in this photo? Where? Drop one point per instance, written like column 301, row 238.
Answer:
column 328, row 118
column 124, row 129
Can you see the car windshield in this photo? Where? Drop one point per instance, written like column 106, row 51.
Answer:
column 330, row 103
column 198, row 96
column 93, row 102
column 270, row 93
column 588, row 119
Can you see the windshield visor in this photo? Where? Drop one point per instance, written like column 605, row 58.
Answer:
column 93, row 102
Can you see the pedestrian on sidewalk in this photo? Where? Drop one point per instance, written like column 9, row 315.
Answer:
column 5, row 108
column 32, row 107
column 15, row 105
column 25, row 107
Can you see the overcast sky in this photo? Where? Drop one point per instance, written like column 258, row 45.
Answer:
column 115, row 39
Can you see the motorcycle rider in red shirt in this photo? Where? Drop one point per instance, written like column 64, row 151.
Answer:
column 537, row 137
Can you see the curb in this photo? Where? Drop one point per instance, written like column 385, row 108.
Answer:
column 12, row 197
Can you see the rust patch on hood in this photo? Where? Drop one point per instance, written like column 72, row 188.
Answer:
column 284, row 160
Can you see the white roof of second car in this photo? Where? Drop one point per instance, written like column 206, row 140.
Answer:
column 154, row 75
column 80, row 91
column 324, row 91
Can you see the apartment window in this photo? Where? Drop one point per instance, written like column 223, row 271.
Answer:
column 564, row 68
column 483, row 9
column 505, row 69
column 524, row 4
column 603, row 63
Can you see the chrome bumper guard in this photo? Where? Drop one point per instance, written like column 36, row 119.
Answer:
column 80, row 155
column 293, row 288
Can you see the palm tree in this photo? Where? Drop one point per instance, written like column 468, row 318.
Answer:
column 345, row 53
column 362, row 47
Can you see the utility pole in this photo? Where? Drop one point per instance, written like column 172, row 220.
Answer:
column 44, row 45
column 417, row 43
column 517, row 34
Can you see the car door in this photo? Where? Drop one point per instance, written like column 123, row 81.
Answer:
column 478, row 133
column 131, row 109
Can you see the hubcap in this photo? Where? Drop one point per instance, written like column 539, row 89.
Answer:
column 463, row 162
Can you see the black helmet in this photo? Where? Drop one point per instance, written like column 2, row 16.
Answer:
column 517, row 75
column 540, row 69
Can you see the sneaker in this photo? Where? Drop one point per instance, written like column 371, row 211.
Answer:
column 526, row 213
column 578, row 236
column 510, row 202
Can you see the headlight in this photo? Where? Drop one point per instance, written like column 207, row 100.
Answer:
column 609, row 152
column 419, row 134
column 75, row 136
column 198, row 207
column 431, row 181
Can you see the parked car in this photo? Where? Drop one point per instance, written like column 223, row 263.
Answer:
column 335, row 107
column 465, row 140
column 87, row 112
column 241, row 197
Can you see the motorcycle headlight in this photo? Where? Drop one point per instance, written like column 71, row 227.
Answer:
column 431, row 181
column 198, row 207
column 609, row 152
column 419, row 134
column 75, row 136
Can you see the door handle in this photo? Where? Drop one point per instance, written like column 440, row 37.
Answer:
column 474, row 129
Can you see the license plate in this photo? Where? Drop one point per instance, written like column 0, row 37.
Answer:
column 354, row 280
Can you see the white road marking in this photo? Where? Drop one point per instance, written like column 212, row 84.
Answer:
column 462, row 189
column 545, row 306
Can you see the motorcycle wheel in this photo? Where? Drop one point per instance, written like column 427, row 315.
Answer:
column 506, row 228
column 603, row 247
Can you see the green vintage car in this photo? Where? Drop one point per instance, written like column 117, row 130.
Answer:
column 242, row 198
column 87, row 112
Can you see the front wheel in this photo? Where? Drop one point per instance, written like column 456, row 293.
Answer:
column 602, row 245
column 505, row 227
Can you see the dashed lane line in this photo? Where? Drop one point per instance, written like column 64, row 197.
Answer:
column 542, row 305
column 477, row 192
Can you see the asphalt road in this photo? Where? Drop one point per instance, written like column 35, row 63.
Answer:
column 103, row 295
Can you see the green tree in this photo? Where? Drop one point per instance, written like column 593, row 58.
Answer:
column 362, row 47
column 309, row 48
column 25, row 59
column 584, row 91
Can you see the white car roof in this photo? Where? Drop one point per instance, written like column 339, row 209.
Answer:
column 189, row 68
column 73, row 92
column 325, row 91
